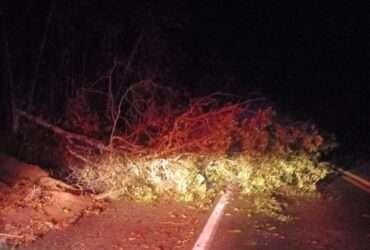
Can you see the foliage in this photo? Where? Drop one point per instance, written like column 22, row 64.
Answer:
column 192, row 149
column 191, row 177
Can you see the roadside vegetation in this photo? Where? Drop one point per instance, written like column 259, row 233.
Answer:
column 146, row 142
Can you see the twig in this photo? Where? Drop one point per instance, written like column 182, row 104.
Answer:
column 117, row 113
column 80, row 157
column 11, row 236
column 132, row 55
column 173, row 223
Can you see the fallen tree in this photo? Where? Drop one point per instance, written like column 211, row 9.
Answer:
column 187, row 149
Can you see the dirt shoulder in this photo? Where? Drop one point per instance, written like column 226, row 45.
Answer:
column 32, row 203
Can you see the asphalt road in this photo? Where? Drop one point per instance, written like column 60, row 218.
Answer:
column 339, row 219
column 129, row 226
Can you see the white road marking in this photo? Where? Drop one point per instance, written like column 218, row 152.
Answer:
column 357, row 184
column 355, row 180
column 205, row 238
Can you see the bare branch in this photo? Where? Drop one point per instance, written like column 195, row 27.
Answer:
column 66, row 134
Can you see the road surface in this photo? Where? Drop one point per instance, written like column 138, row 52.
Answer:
column 338, row 219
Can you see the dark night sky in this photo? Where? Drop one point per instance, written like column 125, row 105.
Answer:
column 310, row 59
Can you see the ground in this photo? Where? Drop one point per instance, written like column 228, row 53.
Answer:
column 337, row 219
column 39, row 212
column 32, row 203
column 125, row 225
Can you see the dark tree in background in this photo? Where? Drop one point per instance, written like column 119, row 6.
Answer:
column 58, row 46
column 306, row 57
column 6, row 96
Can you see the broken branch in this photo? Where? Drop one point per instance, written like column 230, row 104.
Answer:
column 66, row 134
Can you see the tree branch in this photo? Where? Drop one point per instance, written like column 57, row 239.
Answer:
column 66, row 134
